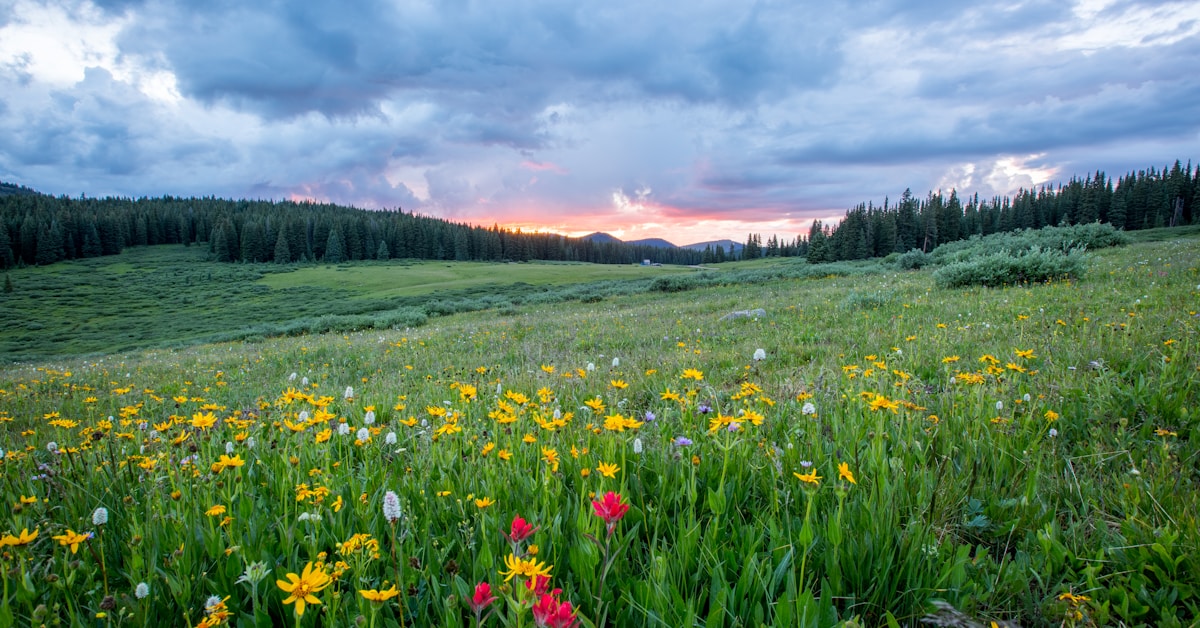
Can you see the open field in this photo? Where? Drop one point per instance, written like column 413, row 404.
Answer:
column 420, row 278
column 171, row 295
column 1024, row 454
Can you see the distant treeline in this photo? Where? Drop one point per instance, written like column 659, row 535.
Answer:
column 40, row 229
column 1139, row 200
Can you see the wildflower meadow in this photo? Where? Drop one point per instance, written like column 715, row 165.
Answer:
column 871, row 451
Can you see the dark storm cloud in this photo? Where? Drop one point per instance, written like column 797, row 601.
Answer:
column 88, row 129
column 341, row 60
column 1153, row 110
column 667, row 111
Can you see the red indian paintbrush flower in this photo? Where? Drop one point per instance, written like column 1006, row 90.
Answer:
column 549, row 613
column 483, row 597
column 520, row 530
column 540, row 585
column 609, row 508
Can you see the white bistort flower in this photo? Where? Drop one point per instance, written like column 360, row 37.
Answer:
column 808, row 408
column 390, row 439
column 142, row 591
column 760, row 355
column 369, row 419
column 364, row 434
column 391, row 507
column 343, row 428
column 100, row 516
column 349, row 394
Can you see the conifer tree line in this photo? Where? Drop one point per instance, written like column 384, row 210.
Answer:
column 40, row 229
column 1139, row 200
column 37, row 229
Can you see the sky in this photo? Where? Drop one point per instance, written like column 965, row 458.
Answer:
column 688, row 120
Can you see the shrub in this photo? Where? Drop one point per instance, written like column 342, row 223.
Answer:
column 856, row 300
column 401, row 317
column 678, row 283
column 1006, row 268
column 1090, row 236
column 912, row 260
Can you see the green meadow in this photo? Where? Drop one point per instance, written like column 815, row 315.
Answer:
column 382, row 280
column 174, row 295
column 1025, row 455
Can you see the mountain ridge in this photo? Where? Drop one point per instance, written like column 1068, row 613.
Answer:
column 602, row 237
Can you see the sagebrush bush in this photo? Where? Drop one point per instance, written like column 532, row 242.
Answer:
column 1008, row 268
column 1089, row 237
column 912, row 260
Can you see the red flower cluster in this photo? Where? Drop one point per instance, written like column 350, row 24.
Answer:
column 482, row 599
column 540, row 585
column 550, row 613
column 520, row 530
column 610, row 509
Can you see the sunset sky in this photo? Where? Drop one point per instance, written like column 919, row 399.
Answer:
column 686, row 120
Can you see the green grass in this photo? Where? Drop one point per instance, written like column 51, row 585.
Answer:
column 171, row 296
column 1010, row 446
column 382, row 280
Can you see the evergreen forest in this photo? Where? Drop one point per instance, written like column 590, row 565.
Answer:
column 38, row 229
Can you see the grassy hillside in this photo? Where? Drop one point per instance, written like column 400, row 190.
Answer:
column 170, row 295
column 1023, row 454
column 376, row 281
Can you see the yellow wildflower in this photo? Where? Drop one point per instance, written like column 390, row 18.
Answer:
column 301, row 589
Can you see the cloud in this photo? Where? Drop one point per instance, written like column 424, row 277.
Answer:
column 669, row 116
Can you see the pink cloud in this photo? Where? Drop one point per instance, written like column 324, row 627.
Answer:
column 543, row 166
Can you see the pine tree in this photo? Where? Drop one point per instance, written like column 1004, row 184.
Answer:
column 49, row 245
column 907, row 230
column 254, row 249
column 381, row 252
column 818, row 245
column 8, row 286
column 27, row 239
column 283, row 252
column 333, row 248
column 7, row 259
column 91, row 241
column 229, row 237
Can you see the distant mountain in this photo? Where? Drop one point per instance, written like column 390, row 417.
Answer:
column 723, row 244
column 600, row 237
column 658, row 243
